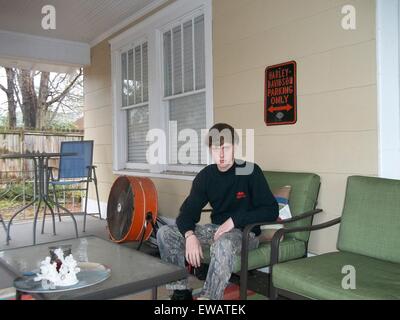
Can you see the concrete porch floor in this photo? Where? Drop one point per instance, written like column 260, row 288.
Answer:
column 22, row 235
column 22, row 232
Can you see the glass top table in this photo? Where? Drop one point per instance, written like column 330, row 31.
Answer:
column 40, row 160
column 132, row 271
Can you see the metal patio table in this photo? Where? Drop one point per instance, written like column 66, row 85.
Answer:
column 40, row 160
column 132, row 271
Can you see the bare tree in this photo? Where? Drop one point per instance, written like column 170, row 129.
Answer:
column 11, row 100
column 65, row 98
column 29, row 103
column 40, row 103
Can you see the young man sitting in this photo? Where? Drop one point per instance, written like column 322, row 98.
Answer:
column 236, row 200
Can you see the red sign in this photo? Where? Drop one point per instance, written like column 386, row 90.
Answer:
column 281, row 94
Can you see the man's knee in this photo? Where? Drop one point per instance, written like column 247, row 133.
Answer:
column 168, row 234
column 224, row 245
column 164, row 232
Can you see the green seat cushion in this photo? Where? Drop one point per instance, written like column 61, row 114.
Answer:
column 321, row 277
column 371, row 218
column 258, row 258
column 303, row 195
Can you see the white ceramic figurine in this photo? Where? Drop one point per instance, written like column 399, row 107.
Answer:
column 65, row 276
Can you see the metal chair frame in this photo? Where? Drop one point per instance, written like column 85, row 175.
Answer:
column 91, row 177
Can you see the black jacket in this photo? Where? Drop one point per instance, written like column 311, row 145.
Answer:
column 244, row 198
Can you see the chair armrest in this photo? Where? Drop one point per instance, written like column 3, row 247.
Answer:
column 279, row 233
column 301, row 216
column 92, row 173
column 244, row 256
column 304, row 215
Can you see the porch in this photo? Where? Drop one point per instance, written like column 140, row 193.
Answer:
column 348, row 96
column 22, row 236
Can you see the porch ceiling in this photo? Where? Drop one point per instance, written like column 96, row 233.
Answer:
column 76, row 20
column 80, row 24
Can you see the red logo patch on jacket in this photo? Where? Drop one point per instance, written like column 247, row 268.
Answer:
column 240, row 195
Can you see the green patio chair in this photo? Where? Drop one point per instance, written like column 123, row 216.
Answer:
column 368, row 249
column 302, row 202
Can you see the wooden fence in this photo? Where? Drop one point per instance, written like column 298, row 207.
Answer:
column 21, row 141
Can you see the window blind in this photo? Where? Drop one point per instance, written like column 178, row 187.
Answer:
column 138, row 126
column 135, row 76
column 184, row 57
column 190, row 113
column 134, row 64
column 184, row 72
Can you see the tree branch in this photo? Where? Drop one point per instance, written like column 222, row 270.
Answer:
column 17, row 93
column 3, row 88
column 55, row 83
column 64, row 93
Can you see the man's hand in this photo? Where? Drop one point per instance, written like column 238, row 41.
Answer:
column 227, row 226
column 194, row 253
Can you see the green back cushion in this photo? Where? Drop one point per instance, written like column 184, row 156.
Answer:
column 303, row 195
column 371, row 218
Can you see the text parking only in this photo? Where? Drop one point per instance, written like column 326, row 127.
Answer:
column 281, row 94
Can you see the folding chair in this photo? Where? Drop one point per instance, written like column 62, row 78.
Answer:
column 73, row 170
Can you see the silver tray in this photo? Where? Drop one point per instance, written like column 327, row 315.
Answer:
column 91, row 273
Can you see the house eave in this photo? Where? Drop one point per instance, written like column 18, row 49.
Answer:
column 21, row 48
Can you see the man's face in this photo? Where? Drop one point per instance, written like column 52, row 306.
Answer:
column 223, row 156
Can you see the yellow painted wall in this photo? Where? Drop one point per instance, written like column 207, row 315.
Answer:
column 336, row 132
column 98, row 127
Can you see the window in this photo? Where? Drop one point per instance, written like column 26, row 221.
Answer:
column 162, row 79
column 388, row 78
column 184, row 83
column 135, row 100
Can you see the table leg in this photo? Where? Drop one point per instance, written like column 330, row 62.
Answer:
column 70, row 213
column 40, row 165
column 12, row 218
column 35, row 221
column 47, row 204
column 2, row 222
column 154, row 293
column 18, row 295
column 44, row 219
column 35, row 185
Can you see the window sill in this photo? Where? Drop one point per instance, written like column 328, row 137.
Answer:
column 174, row 175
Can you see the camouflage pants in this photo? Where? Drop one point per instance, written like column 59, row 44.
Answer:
column 171, row 244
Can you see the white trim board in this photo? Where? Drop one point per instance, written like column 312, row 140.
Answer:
column 188, row 177
column 388, row 79
column 92, row 207
column 23, row 47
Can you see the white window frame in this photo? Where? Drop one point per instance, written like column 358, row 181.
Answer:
column 388, row 78
column 151, row 30
column 165, row 100
column 126, row 48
